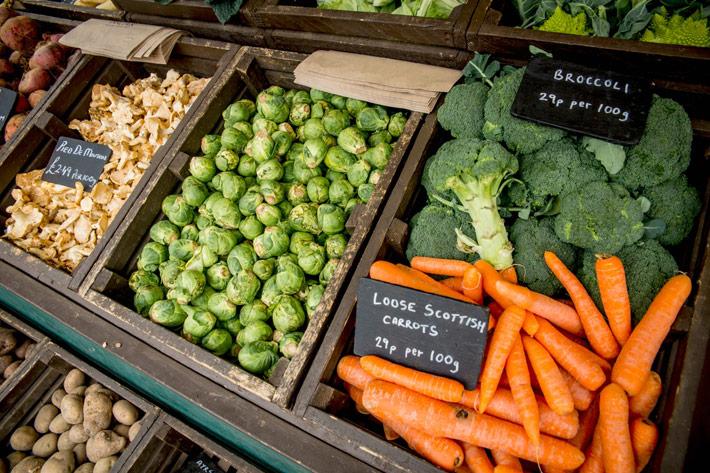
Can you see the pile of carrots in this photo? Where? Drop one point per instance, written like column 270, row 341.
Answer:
column 562, row 386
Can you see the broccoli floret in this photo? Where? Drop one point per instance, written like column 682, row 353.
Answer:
column 676, row 204
column 432, row 232
column 601, row 217
column 531, row 239
column 664, row 150
column 647, row 266
column 563, row 22
column 691, row 31
column 521, row 136
column 462, row 111
column 474, row 171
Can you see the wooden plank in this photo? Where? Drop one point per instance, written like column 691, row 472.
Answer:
column 66, row 10
column 9, row 320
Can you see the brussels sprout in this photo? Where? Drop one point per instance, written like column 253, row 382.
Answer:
column 359, row 172
column 314, row 151
column 251, row 227
column 317, row 189
column 178, row 211
column 339, row 160
column 194, row 191
column 289, row 276
column 335, row 175
column 379, row 155
column 245, row 128
column 261, row 123
column 264, row 268
column 169, row 271
column 233, row 326
column 352, row 140
column 272, row 191
column 288, row 96
column 303, row 173
column 243, row 288
column 289, row 175
column 218, row 275
column 335, row 245
column 317, row 94
column 315, row 294
column 335, row 121
column 353, row 106
column 141, row 278
column 299, row 240
column 287, row 314
column 396, row 124
column 272, row 107
column 300, row 134
column 268, row 215
column 314, row 129
column 189, row 232
column 247, row 166
column 249, row 202
column 285, row 208
column 382, row 136
column 300, row 113
column 164, row 232
column 372, row 119
column 203, row 258
column 288, row 129
column 331, row 219
column 375, row 177
column 261, row 147
column 152, row 255
column 254, row 312
column 270, row 292
column 288, row 344
column 276, row 90
column 145, row 297
column 282, row 142
column 167, row 313
column 232, row 140
column 340, row 192
column 226, row 159
column 203, row 168
column 231, row 186
column 311, row 258
column 202, row 222
column 258, row 357
column 304, row 218
column 218, row 341
column 188, row 285
column 296, row 152
column 328, row 271
column 239, row 111
column 301, row 96
column 210, row 144
column 269, row 170
column 338, row 102
column 254, row 331
column 198, row 323
column 202, row 301
column 273, row 242
column 364, row 191
column 297, row 193
column 241, row 257
column 206, row 208
column 226, row 213
column 220, row 305
column 183, row 249
column 350, row 206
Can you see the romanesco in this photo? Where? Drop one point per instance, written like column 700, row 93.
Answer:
column 563, row 22
column 675, row 29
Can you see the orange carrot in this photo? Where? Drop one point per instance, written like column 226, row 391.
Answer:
column 556, row 312
column 547, row 469
column 391, row 273
column 490, row 277
column 516, row 369
column 594, row 462
column 390, row 434
column 492, row 321
column 477, row 459
column 509, row 274
column 502, row 342
column 552, row 384
column 356, row 396
column 455, row 283
column 503, row 458
column 506, row 469
column 643, row 403
column 350, row 371
column 587, row 423
column 440, row 266
column 431, row 385
column 440, row 451
column 441, row 419
column 644, row 435
column 633, row 365
column 437, row 287
column 473, row 285
column 614, row 430
column 496, row 309
column 462, row 469
column 531, row 324
column 595, row 327
column 611, row 280
column 581, row 396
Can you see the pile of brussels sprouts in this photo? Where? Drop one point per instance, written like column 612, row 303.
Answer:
column 258, row 228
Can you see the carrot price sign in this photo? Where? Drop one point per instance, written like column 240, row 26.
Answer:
column 423, row 331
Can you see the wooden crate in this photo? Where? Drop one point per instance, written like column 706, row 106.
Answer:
column 66, row 10
column 197, row 10
column 33, row 144
column 494, row 30
column 324, row 402
column 106, row 286
column 7, row 320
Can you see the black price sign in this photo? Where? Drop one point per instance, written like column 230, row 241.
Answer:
column 76, row 160
column 7, row 105
column 423, row 331
column 603, row 104
column 201, row 464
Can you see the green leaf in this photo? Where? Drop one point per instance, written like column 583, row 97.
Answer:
column 535, row 51
column 635, row 21
column 654, row 228
column 610, row 155
column 226, row 9
column 645, row 204
column 597, row 16
column 481, row 68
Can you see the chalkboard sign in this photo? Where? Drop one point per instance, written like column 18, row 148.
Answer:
column 76, row 160
column 201, row 464
column 602, row 104
column 7, row 105
column 422, row 331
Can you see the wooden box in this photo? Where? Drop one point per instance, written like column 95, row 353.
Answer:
column 66, row 10
column 24, row 332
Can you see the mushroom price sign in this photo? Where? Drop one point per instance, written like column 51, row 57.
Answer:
column 7, row 105
column 423, row 331
column 76, row 161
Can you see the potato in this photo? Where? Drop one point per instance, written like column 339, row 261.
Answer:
column 105, row 464
column 59, row 425
column 133, row 431
column 45, row 446
column 8, row 340
column 125, row 412
column 23, row 438
column 64, row 442
column 14, row 458
column 104, row 444
column 121, row 430
column 60, row 462
column 94, row 387
column 29, row 465
column 44, row 416
column 72, row 409
column 79, row 390
column 73, row 379
column 10, row 370
column 24, row 349
column 5, row 361
column 97, row 412
column 85, row 468
column 57, row 397
column 80, row 452
column 78, row 434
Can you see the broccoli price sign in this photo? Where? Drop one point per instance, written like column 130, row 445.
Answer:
column 201, row 464
column 422, row 331
column 76, row 161
column 603, row 104
column 7, row 105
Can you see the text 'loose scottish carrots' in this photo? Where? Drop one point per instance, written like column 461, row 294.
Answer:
column 391, row 273
column 350, row 371
column 552, row 384
column 611, row 280
column 617, row 451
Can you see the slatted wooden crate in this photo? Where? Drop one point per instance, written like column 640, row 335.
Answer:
column 197, row 10
column 24, row 333
column 66, row 10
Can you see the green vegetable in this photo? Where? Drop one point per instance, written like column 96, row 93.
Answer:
column 247, row 166
column 271, row 170
column 317, row 189
column 210, row 144
column 300, row 113
column 328, row 271
column 563, row 22
column 331, row 218
column 258, row 357
column 151, row 256
column 314, row 151
column 382, row 136
column 167, row 313
column 243, row 288
column 304, row 218
column 272, row 243
column 372, row 119
column 164, row 232
column 245, row 128
column 272, row 191
column 262, row 124
column 145, row 297
column 178, row 211
column 232, row 186
column 311, row 258
column 249, row 202
column 396, row 125
column 182, row 250
column 289, row 275
column 288, row 345
column 232, row 140
column 218, row 276
column 611, row 156
column 227, row 159
column 462, row 111
column 340, row 192
column 233, row 326
column 218, row 341
column 287, row 314
column 169, row 271
column 264, row 268
column 272, row 107
column 379, row 155
column 251, row 227
column 254, row 331
column 268, row 215
column 335, row 121
column 339, row 160
column 364, row 191
column 241, row 257
column 189, row 232
column 359, row 172
column 220, row 305
column 352, row 140
column 241, row 110
column 315, row 294
column 282, row 142
column 314, row 129
column 676, row 204
column 188, row 285
column 219, row 240
column 256, row 311
column 432, row 233
column 676, row 29
column 203, row 168
column 141, row 278
column 261, row 147
column 202, row 301
column 198, row 322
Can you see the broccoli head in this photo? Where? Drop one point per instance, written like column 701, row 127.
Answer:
column 462, row 111
column 432, row 232
column 676, row 29
column 601, row 217
column 664, row 150
column 474, row 170
column 676, row 204
column 647, row 266
column 521, row 136
column 563, row 22
column 531, row 239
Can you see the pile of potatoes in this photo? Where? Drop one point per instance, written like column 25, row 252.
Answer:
column 83, row 430
column 14, row 348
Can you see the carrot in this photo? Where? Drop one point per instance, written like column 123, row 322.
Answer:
column 581, row 396
column 595, row 327
column 390, row 434
column 644, row 435
column 553, row 386
column 509, row 274
column 492, row 321
column 350, row 371
column 462, row 469
column 611, row 280
column 430, row 385
column 643, row 403
column 391, row 273
column 633, row 365
column 506, row 469
column 614, row 430
column 570, row 355
column 587, row 423
column 473, row 285
column 516, row 369
column 490, row 277
column 440, row 451
column 556, row 312
column 531, row 325
column 503, row 458
column 501, row 344
column 455, row 283
column 440, row 266
column 441, row 419
column 477, row 459
column 594, row 462
column 548, row 469
column 356, row 396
